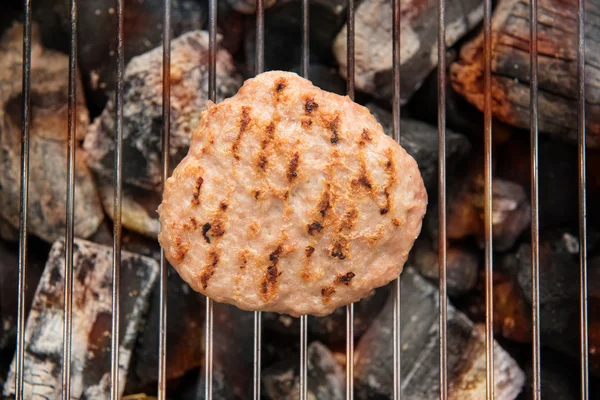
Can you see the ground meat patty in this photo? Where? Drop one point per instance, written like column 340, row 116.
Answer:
column 291, row 199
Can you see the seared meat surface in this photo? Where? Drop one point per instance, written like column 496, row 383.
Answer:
column 291, row 199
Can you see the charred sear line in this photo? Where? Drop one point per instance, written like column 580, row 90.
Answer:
column 280, row 84
column 244, row 123
column 269, row 282
column 340, row 248
column 181, row 248
column 270, row 133
column 314, row 228
column 256, row 194
column 365, row 135
column 310, row 105
column 262, row 162
column 223, row 206
column 309, row 250
column 306, row 122
column 390, row 169
column 327, row 292
column 345, row 279
column 325, row 201
column 209, row 270
column 334, row 127
column 293, row 167
column 192, row 225
column 349, row 219
column 205, row 228
column 196, row 192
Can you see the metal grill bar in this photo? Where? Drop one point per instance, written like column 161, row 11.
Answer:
column 397, row 389
column 303, row 393
column 24, row 197
column 443, row 317
column 117, row 207
column 70, row 203
column 350, row 307
column 581, row 136
column 489, row 293
column 535, row 224
column 260, row 67
column 166, row 135
column 212, row 95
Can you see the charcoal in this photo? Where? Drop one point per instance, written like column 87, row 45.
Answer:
column 421, row 141
column 9, row 275
column 142, row 124
column 331, row 330
column 142, row 29
column 420, row 354
column 325, row 376
column 248, row 6
column 559, row 293
column 373, row 42
column 283, row 34
column 185, row 342
column 557, row 177
column 462, row 264
column 559, row 377
column 510, row 208
column 92, row 286
column 48, row 142
column 558, row 88
column 512, row 313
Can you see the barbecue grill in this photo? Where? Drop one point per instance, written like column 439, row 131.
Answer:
column 396, row 107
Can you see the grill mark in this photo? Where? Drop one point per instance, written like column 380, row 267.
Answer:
column 270, row 133
column 396, row 221
column 181, row 249
column 334, row 127
column 349, row 219
column 310, row 105
column 365, row 135
column 345, row 279
column 338, row 251
column 209, row 270
column 315, row 226
column 390, row 170
column 280, row 84
column 244, row 122
column 192, row 225
column 306, row 122
column 309, row 251
column 223, row 205
column 256, row 194
column 205, row 228
column 325, row 201
column 262, row 162
column 269, row 282
column 292, row 168
column 196, row 192
column 327, row 292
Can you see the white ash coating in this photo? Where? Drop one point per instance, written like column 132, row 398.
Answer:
column 291, row 199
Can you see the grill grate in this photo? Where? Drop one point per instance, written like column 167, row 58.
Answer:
column 303, row 393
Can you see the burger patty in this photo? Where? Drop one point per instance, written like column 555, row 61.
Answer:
column 291, row 199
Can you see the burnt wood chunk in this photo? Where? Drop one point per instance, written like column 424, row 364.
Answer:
column 325, row 376
column 420, row 351
column 48, row 119
column 373, row 42
column 92, row 286
column 557, row 72
column 142, row 114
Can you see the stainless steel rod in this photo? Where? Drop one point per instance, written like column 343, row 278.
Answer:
column 24, row 201
column 303, row 392
column 397, row 342
column 489, row 293
column 442, row 197
column 212, row 95
column 260, row 67
column 70, row 203
column 166, row 135
column 117, row 206
column 581, row 135
column 535, row 224
column 350, row 308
